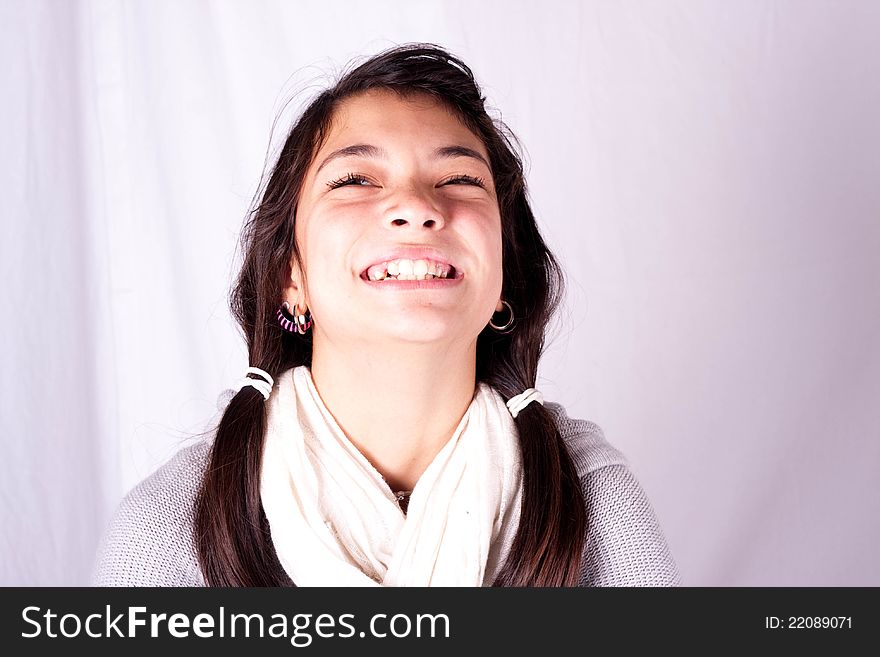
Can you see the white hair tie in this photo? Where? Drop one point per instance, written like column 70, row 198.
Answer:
column 265, row 387
column 523, row 399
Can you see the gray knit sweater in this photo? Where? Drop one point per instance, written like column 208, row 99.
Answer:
column 150, row 538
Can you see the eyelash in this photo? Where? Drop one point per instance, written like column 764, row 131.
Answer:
column 352, row 178
column 471, row 180
column 347, row 179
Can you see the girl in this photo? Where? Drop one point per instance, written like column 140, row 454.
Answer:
column 394, row 296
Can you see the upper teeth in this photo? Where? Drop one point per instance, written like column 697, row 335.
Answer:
column 408, row 270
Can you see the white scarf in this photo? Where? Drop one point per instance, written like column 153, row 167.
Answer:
column 334, row 520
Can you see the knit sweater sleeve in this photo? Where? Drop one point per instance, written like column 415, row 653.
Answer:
column 625, row 545
column 149, row 541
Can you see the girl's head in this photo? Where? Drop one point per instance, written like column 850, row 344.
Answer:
column 396, row 174
column 400, row 152
column 308, row 244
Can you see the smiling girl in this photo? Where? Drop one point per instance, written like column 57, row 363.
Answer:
column 394, row 295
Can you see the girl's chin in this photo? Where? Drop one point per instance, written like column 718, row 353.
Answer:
column 411, row 327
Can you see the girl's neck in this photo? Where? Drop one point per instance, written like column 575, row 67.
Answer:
column 398, row 406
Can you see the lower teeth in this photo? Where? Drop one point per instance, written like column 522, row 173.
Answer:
column 427, row 277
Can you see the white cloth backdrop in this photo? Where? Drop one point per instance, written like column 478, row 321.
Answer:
column 706, row 171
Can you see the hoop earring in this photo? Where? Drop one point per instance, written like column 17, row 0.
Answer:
column 506, row 328
column 295, row 323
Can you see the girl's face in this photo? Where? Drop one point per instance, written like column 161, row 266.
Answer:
column 396, row 174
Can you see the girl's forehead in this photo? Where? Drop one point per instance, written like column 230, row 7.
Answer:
column 384, row 113
column 384, row 98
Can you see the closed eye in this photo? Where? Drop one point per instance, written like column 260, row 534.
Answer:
column 467, row 180
column 357, row 179
column 348, row 179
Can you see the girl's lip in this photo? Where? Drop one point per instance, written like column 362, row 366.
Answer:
column 432, row 284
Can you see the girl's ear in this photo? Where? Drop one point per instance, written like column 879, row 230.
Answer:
column 295, row 293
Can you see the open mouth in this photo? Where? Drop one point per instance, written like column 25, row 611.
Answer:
column 404, row 269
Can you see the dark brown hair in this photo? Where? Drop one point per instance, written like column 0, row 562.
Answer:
column 232, row 534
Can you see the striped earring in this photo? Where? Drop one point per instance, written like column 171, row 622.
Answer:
column 295, row 323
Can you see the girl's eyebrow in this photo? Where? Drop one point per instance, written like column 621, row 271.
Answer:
column 448, row 152
column 359, row 150
column 370, row 151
